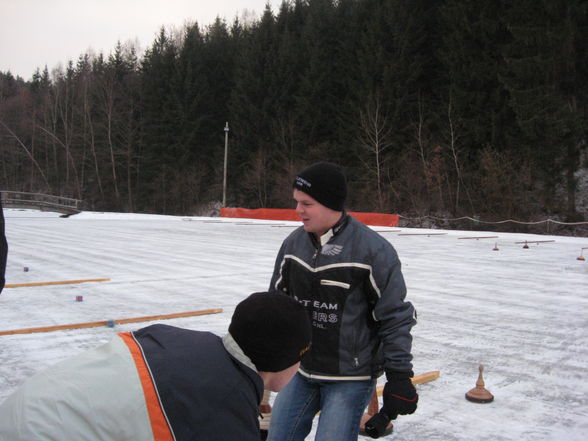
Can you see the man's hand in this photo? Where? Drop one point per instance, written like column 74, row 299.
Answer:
column 400, row 396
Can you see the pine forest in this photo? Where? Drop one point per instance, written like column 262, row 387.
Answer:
column 443, row 107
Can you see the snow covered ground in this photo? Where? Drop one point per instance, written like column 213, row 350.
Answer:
column 522, row 313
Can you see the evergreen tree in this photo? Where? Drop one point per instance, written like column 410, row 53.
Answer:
column 253, row 104
column 545, row 74
column 322, row 81
column 475, row 36
column 386, row 55
column 158, row 123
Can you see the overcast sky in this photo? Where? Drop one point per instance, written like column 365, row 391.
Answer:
column 35, row 33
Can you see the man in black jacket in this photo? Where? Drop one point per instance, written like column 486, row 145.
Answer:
column 3, row 249
column 349, row 280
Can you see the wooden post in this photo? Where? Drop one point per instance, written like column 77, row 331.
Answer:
column 226, row 129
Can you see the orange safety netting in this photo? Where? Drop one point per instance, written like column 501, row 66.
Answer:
column 374, row 219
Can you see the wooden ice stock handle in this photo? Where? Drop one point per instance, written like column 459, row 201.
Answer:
column 373, row 406
column 417, row 379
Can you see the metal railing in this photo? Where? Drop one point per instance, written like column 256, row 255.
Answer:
column 45, row 202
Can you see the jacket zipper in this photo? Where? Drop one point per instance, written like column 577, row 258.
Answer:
column 355, row 355
column 317, row 251
column 355, row 359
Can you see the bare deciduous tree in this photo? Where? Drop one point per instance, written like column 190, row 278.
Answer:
column 374, row 138
column 29, row 154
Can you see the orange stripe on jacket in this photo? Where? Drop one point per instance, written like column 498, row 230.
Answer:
column 159, row 425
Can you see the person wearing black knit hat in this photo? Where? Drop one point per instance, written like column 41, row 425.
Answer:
column 320, row 191
column 348, row 278
column 273, row 331
column 162, row 382
column 3, row 249
column 325, row 182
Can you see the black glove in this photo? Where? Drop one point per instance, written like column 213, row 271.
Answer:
column 400, row 396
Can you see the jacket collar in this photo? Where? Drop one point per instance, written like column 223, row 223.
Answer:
column 236, row 352
column 333, row 231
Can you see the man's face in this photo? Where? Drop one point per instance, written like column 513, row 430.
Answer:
column 316, row 217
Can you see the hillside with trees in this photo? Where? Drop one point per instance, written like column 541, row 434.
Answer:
column 443, row 107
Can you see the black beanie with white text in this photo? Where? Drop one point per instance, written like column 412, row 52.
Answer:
column 324, row 182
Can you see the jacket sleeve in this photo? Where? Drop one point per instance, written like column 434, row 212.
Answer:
column 277, row 282
column 96, row 394
column 395, row 315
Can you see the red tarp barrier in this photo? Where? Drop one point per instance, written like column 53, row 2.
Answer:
column 374, row 219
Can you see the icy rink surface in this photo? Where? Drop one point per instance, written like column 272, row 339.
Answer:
column 522, row 313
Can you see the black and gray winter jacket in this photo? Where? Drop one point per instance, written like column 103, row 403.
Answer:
column 353, row 289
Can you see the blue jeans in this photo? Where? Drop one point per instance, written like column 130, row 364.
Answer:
column 341, row 403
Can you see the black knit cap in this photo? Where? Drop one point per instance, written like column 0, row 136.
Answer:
column 272, row 329
column 325, row 182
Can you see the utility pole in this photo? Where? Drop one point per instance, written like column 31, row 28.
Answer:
column 225, row 164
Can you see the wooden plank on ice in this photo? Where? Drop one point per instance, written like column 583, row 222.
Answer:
column 111, row 322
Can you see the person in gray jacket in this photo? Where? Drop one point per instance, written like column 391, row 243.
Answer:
column 163, row 383
column 348, row 278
